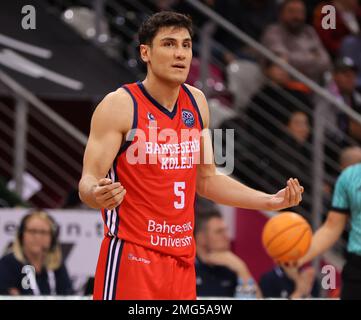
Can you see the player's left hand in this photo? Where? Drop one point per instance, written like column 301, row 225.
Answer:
column 288, row 197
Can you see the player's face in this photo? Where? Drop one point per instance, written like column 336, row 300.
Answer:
column 170, row 55
column 217, row 235
column 37, row 236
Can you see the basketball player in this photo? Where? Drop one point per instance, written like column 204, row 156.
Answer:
column 147, row 206
column 346, row 205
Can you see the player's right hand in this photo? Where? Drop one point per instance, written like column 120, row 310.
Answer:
column 108, row 194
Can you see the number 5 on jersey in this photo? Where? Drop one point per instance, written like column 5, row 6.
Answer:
column 179, row 188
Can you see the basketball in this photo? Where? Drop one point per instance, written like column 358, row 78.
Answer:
column 287, row 237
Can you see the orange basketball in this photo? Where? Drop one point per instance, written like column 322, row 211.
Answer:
column 287, row 237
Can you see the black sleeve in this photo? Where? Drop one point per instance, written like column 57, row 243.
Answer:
column 63, row 282
column 340, row 210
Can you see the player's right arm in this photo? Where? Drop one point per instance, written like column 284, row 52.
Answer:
column 111, row 121
column 326, row 236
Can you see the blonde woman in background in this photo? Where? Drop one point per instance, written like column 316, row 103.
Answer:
column 34, row 264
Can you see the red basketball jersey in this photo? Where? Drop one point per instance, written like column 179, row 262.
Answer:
column 158, row 170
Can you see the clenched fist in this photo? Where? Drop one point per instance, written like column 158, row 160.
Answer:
column 108, row 194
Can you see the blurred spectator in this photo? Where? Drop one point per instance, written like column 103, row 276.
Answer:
column 351, row 48
column 350, row 156
column 203, row 204
column 348, row 14
column 36, row 246
column 217, row 268
column 339, row 127
column 297, row 42
column 343, row 88
column 257, row 129
column 241, row 149
column 282, row 282
column 251, row 16
column 270, row 107
column 293, row 153
column 310, row 9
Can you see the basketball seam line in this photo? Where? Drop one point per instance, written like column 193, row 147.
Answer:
column 286, row 229
column 294, row 245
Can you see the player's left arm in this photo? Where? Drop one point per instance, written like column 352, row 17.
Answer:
column 222, row 189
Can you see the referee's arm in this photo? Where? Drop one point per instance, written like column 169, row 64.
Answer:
column 326, row 236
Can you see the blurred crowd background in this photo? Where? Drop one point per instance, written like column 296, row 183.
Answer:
column 286, row 85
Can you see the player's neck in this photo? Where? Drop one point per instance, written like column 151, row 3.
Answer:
column 162, row 92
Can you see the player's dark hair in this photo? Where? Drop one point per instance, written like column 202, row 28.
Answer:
column 202, row 218
column 151, row 26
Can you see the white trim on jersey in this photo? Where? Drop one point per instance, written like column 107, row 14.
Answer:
column 110, row 276
column 108, row 268
column 113, row 275
column 109, row 216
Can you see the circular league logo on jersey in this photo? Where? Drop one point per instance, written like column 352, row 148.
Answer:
column 188, row 118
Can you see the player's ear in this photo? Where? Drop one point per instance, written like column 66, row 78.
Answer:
column 144, row 52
